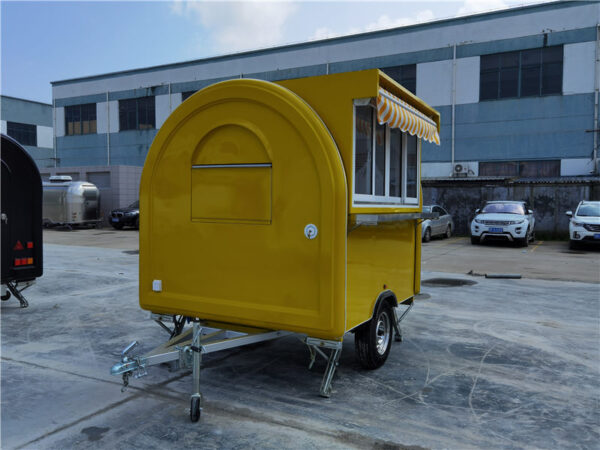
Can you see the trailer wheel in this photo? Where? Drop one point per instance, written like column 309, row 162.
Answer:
column 373, row 340
column 5, row 296
column 195, row 409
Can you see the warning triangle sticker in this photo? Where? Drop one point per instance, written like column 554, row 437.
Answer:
column 18, row 246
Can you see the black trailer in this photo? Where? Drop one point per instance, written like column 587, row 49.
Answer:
column 21, row 220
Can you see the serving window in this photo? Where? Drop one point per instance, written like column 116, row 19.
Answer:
column 386, row 161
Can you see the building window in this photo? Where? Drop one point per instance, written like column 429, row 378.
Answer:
column 137, row 114
column 187, row 94
column 529, row 169
column 80, row 119
column 525, row 73
column 386, row 161
column 405, row 75
column 23, row 133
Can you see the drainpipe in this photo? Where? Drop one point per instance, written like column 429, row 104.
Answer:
column 107, row 131
column 55, row 154
column 596, row 88
column 453, row 102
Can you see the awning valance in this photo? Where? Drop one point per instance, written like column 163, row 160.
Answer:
column 399, row 114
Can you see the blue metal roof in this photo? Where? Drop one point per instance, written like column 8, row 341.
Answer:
column 337, row 40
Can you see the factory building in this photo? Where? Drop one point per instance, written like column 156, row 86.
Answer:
column 516, row 89
column 30, row 123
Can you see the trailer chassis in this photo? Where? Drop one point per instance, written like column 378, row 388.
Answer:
column 185, row 349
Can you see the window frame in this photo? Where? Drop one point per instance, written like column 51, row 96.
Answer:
column 520, row 68
column 384, row 201
column 80, row 107
column 22, row 130
column 138, row 103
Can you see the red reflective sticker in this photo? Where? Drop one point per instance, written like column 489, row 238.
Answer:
column 18, row 246
column 17, row 261
column 30, row 245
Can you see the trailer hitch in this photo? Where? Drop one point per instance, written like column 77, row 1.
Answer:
column 129, row 365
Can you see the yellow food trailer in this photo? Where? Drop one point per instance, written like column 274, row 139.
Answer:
column 270, row 208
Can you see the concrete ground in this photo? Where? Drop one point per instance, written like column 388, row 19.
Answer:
column 488, row 364
column 550, row 260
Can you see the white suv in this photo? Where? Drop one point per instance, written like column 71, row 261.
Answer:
column 505, row 220
column 585, row 224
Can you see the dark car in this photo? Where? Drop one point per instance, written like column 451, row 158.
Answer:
column 126, row 217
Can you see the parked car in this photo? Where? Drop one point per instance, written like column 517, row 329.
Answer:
column 504, row 220
column 129, row 216
column 442, row 226
column 584, row 226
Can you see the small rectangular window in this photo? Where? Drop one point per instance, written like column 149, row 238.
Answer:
column 363, row 173
column 137, row 114
column 380, row 165
column 80, row 119
column 509, row 75
column 412, row 162
column 552, row 70
column 23, row 133
column 386, row 162
column 488, row 89
column 395, row 163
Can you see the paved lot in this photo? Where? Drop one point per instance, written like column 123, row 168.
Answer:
column 550, row 260
column 495, row 364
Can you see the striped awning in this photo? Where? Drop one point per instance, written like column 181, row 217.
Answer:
column 399, row 114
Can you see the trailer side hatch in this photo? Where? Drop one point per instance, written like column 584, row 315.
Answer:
column 231, row 177
column 232, row 193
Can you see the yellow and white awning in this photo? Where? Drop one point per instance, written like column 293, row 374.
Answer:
column 399, row 114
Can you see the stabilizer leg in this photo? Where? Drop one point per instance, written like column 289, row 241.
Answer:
column 196, row 398
column 12, row 287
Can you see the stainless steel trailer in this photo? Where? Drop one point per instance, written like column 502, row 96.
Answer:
column 70, row 203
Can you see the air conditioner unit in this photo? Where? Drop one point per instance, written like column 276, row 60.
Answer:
column 460, row 170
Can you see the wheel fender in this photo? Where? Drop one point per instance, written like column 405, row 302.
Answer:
column 387, row 296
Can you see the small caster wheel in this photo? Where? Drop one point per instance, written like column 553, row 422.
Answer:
column 6, row 296
column 195, row 409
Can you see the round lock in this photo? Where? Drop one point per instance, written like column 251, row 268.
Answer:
column 311, row 231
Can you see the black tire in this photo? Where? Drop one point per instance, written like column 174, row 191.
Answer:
column 117, row 226
column 573, row 245
column 5, row 297
column 525, row 241
column 448, row 234
column 427, row 235
column 137, row 223
column 195, row 409
column 475, row 240
column 373, row 340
